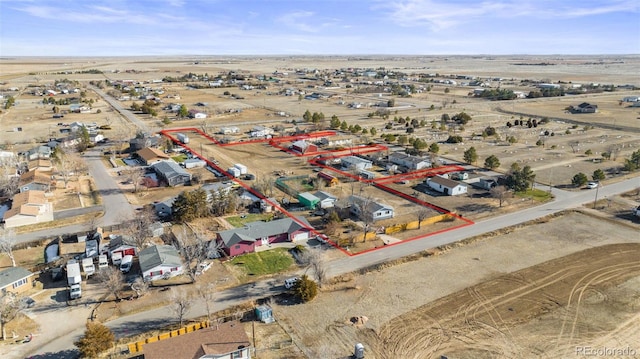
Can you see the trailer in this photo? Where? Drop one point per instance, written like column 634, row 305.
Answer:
column 74, row 279
column 182, row 138
column 235, row 172
column 241, row 167
column 88, row 267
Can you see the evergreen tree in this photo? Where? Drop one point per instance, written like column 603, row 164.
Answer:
column 97, row 339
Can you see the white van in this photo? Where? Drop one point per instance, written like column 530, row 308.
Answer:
column 289, row 283
column 102, row 261
column 125, row 264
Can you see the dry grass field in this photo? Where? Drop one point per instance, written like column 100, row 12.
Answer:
column 535, row 291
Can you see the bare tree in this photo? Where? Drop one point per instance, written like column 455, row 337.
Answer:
column 422, row 214
column 500, row 193
column 138, row 228
column 194, row 249
column 67, row 164
column 9, row 180
column 207, row 292
column 135, row 176
column 364, row 210
column 112, row 280
column 140, row 287
column 315, row 260
column 575, row 146
column 180, row 304
column 10, row 307
column 7, row 241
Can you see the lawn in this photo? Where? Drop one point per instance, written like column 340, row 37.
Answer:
column 180, row 158
column 536, row 195
column 252, row 265
column 238, row 221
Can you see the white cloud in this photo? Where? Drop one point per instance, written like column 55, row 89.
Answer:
column 298, row 20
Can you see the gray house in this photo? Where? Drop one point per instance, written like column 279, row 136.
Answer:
column 326, row 199
column 171, row 173
column 408, row 161
column 160, row 261
column 360, row 206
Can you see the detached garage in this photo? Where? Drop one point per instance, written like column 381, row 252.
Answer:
column 447, row 186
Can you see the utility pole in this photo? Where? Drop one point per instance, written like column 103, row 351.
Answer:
column 596, row 199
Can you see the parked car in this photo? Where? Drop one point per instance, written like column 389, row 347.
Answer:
column 592, row 185
column 289, row 283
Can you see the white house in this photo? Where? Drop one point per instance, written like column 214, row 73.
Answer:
column 160, row 261
column 261, row 131
column 326, row 199
column 358, row 163
column 408, row 161
column 360, row 206
column 229, row 130
column 447, row 186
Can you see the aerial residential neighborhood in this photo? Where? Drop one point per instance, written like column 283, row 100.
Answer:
column 316, row 204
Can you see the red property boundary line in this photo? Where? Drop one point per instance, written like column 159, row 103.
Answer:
column 378, row 182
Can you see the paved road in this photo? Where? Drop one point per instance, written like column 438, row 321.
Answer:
column 123, row 111
column 117, row 207
column 140, row 322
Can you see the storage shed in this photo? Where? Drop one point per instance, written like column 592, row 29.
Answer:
column 308, row 200
column 264, row 313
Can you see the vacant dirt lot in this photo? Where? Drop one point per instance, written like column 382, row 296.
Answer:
column 539, row 289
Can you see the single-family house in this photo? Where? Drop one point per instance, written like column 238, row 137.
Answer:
column 261, row 131
column 326, row 199
column 64, row 142
column 584, row 108
column 121, row 245
column 197, row 114
column 221, row 341
column 408, row 161
column 268, row 204
column 171, row 173
column 308, row 200
column 336, row 141
column 96, row 137
column 28, row 207
column 245, row 239
column 229, row 130
column 365, row 207
column 303, row 147
column 143, row 141
column 38, row 152
column 217, row 189
column 487, row 182
column 149, row 156
column 446, row 186
column 164, row 208
column 194, row 163
column 357, row 163
column 160, row 261
column 15, row 280
column 35, row 180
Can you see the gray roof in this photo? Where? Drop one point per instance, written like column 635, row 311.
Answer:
column 12, row 275
column 446, row 182
column 120, row 240
column 154, row 256
column 255, row 230
column 169, row 169
column 372, row 205
column 322, row 195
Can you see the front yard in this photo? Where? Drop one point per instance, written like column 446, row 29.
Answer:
column 251, row 266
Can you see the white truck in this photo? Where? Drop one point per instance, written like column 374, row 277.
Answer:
column 103, row 262
column 88, row 267
column 182, row 138
column 74, row 279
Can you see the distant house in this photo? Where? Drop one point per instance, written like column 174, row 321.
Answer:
column 28, row 207
column 244, row 240
column 360, row 207
column 229, row 130
column 197, row 114
column 221, row 341
column 96, row 137
column 194, row 163
column 261, row 131
column 138, row 143
column 446, row 186
column 122, row 245
column 38, row 152
column 326, row 199
column 150, row 155
column 65, row 142
column 35, row 180
column 408, row 161
column 303, row 147
column 15, row 280
column 336, row 141
column 160, row 261
column 354, row 162
column 164, row 208
column 171, row 173
column 487, row 183
column 584, row 108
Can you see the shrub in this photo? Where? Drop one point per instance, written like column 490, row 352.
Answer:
column 305, row 289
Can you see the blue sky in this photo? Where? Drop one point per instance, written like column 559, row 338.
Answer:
column 317, row 27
